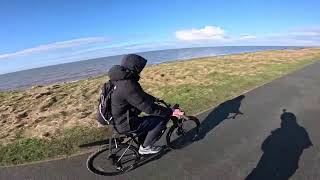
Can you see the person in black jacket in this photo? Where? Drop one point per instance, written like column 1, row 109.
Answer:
column 128, row 100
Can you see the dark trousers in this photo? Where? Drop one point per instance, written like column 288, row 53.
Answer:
column 150, row 129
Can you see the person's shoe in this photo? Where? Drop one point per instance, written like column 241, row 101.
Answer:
column 149, row 149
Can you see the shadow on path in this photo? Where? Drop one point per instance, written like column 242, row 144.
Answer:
column 282, row 150
column 227, row 110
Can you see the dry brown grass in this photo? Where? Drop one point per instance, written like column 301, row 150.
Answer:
column 195, row 71
column 44, row 111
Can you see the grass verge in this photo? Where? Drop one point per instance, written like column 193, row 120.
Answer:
column 35, row 149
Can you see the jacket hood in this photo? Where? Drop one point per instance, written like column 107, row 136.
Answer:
column 134, row 63
column 118, row 72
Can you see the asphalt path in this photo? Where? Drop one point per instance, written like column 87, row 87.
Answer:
column 263, row 143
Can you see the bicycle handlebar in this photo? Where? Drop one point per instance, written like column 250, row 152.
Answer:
column 162, row 102
column 175, row 106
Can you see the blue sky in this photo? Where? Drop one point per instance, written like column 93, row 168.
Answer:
column 39, row 33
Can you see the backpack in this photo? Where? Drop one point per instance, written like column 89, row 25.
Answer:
column 104, row 116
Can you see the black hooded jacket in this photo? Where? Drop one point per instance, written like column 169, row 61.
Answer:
column 128, row 99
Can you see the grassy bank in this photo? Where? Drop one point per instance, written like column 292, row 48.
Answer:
column 35, row 149
column 49, row 121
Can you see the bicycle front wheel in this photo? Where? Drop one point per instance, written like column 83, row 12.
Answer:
column 123, row 159
column 183, row 133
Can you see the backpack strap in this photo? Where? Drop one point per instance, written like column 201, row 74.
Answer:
column 103, row 101
column 101, row 114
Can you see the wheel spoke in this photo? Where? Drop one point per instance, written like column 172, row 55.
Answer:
column 124, row 159
column 127, row 161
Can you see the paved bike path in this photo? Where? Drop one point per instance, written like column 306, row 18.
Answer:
column 230, row 148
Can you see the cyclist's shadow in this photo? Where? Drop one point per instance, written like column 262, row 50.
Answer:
column 226, row 110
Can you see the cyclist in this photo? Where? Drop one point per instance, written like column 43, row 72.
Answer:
column 128, row 100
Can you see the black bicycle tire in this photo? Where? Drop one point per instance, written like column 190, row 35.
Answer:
column 172, row 128
column 92, row 156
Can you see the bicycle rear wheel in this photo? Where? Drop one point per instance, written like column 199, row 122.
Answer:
column 123, row 159
column 183, row 133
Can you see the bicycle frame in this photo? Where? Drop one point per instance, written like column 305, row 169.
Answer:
column 115, row 139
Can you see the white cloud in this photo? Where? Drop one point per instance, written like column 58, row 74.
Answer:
column 305, row 33
column 301, row 37
column 54, row 46
column 247, row 37
column 206, row 33
column 310, row 31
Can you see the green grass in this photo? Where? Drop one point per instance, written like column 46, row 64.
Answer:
column 35, row 149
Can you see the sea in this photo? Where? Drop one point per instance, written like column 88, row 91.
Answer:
column 99, row 66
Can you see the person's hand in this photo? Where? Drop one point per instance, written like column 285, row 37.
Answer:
column 177, row 113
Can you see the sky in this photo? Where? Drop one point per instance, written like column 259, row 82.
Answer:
column 37, row 33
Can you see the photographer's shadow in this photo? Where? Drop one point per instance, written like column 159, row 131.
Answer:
column 281, row 150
